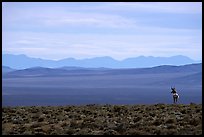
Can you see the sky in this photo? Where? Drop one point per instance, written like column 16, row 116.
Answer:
column 58, row 30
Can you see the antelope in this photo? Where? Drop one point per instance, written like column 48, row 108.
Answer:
column 175, row 94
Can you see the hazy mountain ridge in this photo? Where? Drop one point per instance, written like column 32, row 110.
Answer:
column 22, row 62
column 6, row 69
column 65, row 71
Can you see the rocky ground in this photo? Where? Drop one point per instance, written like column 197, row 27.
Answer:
column 157, row 119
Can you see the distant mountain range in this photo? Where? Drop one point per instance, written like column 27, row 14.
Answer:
column 23, row 61
column 194, row 69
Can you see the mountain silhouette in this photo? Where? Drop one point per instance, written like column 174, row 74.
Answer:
column 23, row 61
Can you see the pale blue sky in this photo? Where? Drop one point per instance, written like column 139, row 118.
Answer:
column 119, row 30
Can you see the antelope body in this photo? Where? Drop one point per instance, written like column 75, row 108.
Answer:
column 175, row 95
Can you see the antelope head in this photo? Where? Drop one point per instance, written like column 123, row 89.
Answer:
column 173, row 88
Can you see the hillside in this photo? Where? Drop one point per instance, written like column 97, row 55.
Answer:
column 6, row 69
column 41, row 71
column 157, row 119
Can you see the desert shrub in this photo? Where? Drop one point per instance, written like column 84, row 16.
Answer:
column 36, row 115
column 27, row 132
column 121, row 127
column 35, row 124
column 41, row 118
column 60, row 117
column 71, row 131
column 152, row 114
column 110, row 132
column 198, row 110
column 117, row 109
column 168, row 132
column 46, row 111
column 136, row 119
column 157, row 122
column 34, row 110
column 171, row 126
column 149, row 119
column 38, row 129
column 195, row 121
column 170, row 121
column 83, row 131
column 161, row 106
column 73, row 124
column 97, row 132
column 86, row 112
column 18, row 120
column 68, row 108
column 46, row 128
column 184, row 111
column 136, row 132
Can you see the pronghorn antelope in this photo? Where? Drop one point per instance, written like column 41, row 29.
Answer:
column 175, row 94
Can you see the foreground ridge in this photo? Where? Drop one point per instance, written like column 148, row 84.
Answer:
column 93, row 119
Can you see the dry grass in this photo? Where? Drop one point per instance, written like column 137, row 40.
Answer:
column 158, row 119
